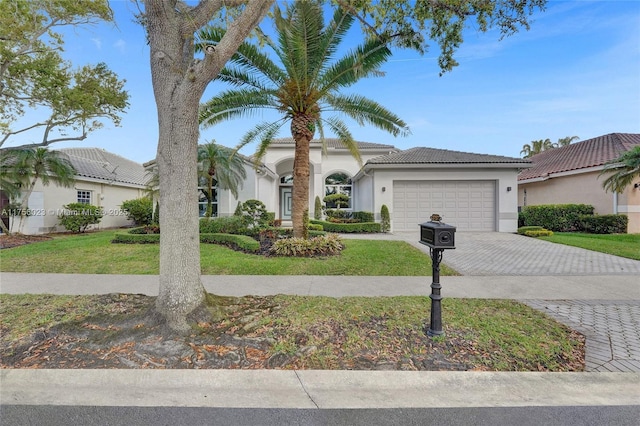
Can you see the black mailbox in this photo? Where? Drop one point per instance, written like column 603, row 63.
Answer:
column 437, row 235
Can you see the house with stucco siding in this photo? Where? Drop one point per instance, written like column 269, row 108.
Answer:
column 102, row 178
column 571, row 175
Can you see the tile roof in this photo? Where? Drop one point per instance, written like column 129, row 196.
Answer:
column 422, row 155
column 335, row 143
column 580, row 155
column 98, row 163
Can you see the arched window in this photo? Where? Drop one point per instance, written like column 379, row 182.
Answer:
column 287, row 179
column 338, row 183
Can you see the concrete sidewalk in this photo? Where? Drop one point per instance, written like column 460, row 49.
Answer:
column 578, row 287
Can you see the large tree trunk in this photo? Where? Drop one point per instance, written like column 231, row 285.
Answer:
column 181, row 290
column 179, row 80
column 302, row 132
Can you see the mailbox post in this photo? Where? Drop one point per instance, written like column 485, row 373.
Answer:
column 438, row 237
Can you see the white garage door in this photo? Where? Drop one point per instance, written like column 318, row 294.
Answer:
column 467, row 205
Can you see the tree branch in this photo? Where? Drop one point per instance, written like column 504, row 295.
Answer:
column 236, row 33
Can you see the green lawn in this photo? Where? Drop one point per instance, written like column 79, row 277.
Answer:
column 624, row 245
column 93, row 253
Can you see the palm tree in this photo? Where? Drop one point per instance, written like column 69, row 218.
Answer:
column 28, row 165
column 305, row 85
column 623, row 169
column 536, row 147
column 220, row 164
column 566, row 141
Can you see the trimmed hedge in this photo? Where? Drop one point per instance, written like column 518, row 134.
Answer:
column 136, row 238
column 604, row 224
column 241, row 242
column 538, row 233
column 363, row 227
column 363, row 217
column 556, row 217
column 224, row 225
column 524, row 229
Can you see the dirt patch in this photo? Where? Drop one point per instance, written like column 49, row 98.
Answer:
column 15, row 240
column 249, row 334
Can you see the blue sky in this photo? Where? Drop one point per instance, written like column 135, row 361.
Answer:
column 575, row 72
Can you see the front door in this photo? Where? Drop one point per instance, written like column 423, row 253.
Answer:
column 285, row 202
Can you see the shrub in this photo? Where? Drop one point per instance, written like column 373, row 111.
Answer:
column 256, row 211
column 337, row 214
column 139, row 210
column 315, row 227
column 238, row 211
column 556, row 217
column 363, row 216
column 78, row 216
column 236, row 242
column 338, row 200
column 149, row 229
column 524, row 229
column 224, row 225
column 317, row 211
column 385, row 225
column 326, row 245
column 538, row 233
column 128, row 238
column 604, row 224
column 348, row 227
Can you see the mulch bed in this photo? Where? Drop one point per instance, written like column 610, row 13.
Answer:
column 15, row 240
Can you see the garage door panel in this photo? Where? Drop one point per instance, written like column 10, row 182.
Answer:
column 468, row 205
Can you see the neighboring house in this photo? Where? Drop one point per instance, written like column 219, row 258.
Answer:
column 103, row 179
column 474, row 192
column 571, row 175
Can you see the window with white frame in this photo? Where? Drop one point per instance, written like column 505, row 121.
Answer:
column 203, row 197
column 338, row 183
column 84, row 197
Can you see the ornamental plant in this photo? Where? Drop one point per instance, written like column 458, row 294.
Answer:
column 78, row 216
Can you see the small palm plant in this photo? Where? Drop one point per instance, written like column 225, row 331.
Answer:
column 27, row 166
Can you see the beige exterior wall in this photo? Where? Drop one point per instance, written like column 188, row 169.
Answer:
column 583, row 188
column 46, row 203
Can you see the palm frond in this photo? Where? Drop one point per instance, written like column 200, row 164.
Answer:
column 623, row 170
column 258, row 132
column 344, row 135
column 364, row 61
column 235, row 104
column 364, row 110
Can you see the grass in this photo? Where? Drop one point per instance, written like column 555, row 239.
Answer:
column 93, row 253
column 340, row 333
column 623, row 245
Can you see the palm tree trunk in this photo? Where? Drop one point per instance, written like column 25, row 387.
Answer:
column 25, row 204
column 300, row 187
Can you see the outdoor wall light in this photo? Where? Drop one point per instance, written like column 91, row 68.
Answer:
column 508, row 189
column 384, row 188
column 635, row 185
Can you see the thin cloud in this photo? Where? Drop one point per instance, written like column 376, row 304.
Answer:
column 121, row 45
column 97, row 42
